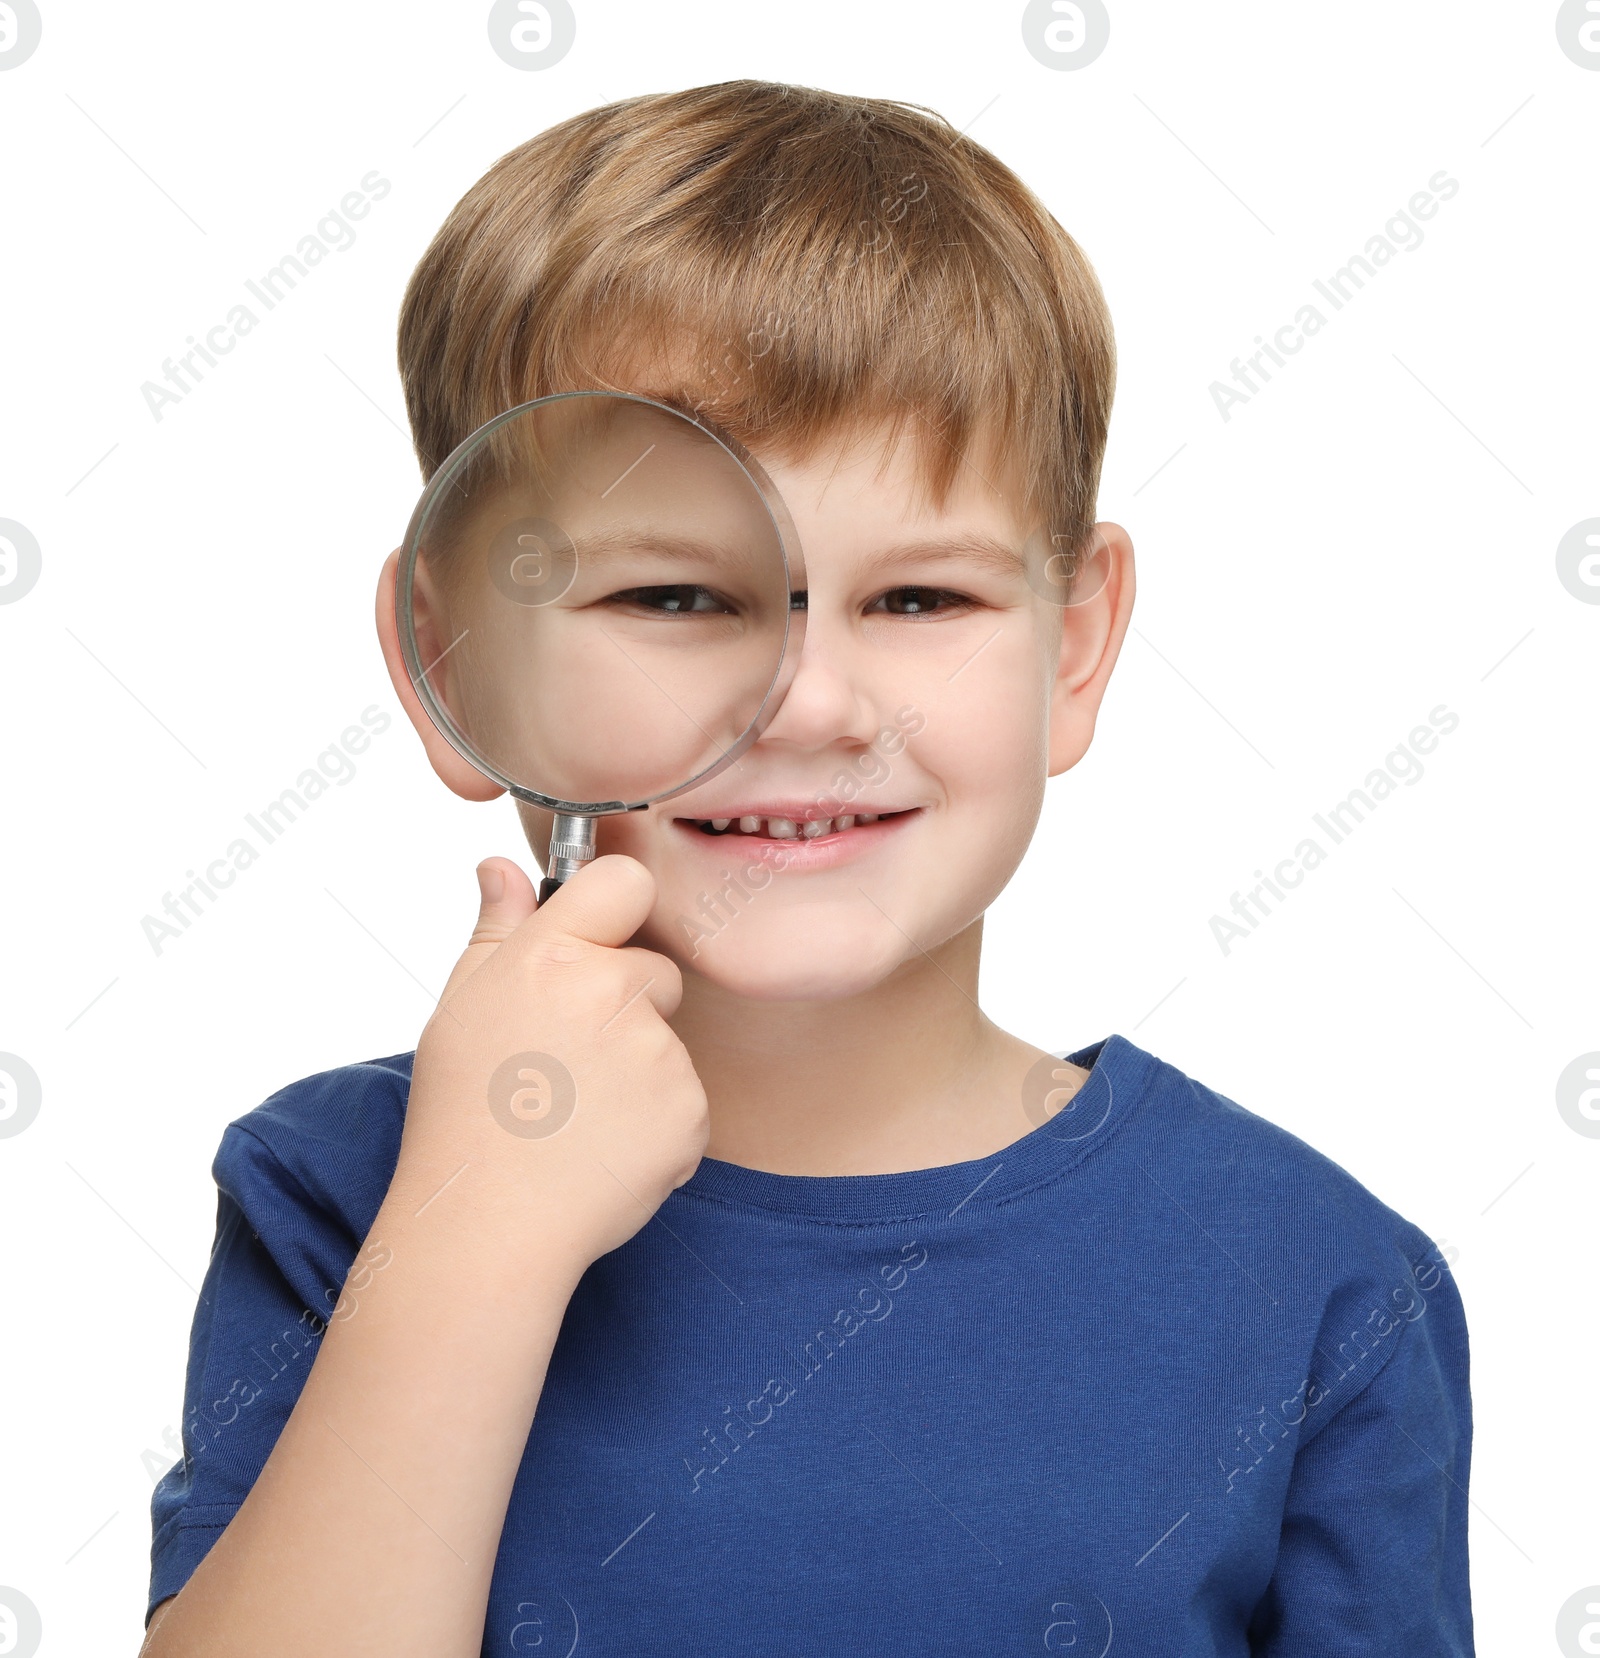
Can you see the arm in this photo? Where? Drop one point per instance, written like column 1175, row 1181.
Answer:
column 373, row 1525
column 1372, row 1558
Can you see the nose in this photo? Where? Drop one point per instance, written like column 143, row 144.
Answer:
column 830, row 698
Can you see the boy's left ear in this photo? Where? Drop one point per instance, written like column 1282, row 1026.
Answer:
column 458, row 775
column 1092, row 631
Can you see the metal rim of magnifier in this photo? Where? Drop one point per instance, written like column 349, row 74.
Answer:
column 440, row 715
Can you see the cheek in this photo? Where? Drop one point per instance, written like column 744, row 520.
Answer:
column 629, row 833
column 986, row 737
column 536, row 825
column 980, row 760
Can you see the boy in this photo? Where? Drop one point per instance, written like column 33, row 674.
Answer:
column 854, row 1325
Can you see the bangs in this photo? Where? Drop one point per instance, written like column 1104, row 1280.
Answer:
column 803, row 269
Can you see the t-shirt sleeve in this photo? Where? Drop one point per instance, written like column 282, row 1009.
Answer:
column 277, row 1264
column 1372, row 1557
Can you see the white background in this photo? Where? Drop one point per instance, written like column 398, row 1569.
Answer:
column 1370, row 537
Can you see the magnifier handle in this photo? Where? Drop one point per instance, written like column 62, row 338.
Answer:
column 571, row 847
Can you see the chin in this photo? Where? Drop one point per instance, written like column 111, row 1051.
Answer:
column 791, row 959
column 781, row 984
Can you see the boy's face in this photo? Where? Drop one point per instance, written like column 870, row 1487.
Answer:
column 935, row 690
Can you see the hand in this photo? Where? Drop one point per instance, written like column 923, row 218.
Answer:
column 550, row 1072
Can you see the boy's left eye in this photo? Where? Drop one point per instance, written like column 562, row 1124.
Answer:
column 678, row 600
column 917, row 601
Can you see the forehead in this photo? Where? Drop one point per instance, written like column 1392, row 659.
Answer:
column 865, row 468
column 863, row 486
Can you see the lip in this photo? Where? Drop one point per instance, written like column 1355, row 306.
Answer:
column 824, row 852
column 800, row 811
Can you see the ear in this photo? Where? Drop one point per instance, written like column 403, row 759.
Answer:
column 460, row 776
column 1092, row 630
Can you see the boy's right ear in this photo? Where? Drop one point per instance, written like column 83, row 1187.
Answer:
column 457, row 774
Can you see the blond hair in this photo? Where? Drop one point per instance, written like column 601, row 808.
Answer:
column 794, row 264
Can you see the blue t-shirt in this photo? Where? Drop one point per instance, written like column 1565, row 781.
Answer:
column 1156, row 1378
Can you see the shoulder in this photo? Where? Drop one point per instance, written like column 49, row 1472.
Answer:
column 1269, row 1186
column 1312, row 1259
column 327, row 1142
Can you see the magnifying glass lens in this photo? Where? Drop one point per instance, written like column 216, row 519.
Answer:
column 595, row 598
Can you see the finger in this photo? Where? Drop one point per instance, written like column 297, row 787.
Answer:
column 506, row 900
column 660, row 978
column 606, row 902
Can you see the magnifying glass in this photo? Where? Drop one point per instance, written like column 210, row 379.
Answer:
column 600, row 603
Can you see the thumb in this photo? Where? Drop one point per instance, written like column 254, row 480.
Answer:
column 506, row 901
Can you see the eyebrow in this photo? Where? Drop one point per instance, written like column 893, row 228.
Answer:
column 972, row 546
column 609, row 542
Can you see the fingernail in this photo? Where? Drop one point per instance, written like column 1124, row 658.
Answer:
column 491, row 883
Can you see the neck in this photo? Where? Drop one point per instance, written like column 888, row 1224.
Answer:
column 908, row 1075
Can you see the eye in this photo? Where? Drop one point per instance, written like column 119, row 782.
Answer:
column 680, row 600
column 918, row 601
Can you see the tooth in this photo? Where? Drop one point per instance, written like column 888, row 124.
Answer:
column 721, row 822
column 846, row 822
column 817, row 827
column 867, row 817
column 749, row 825
column 782, row 829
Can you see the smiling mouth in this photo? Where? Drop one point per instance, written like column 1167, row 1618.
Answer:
column 788, row 828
